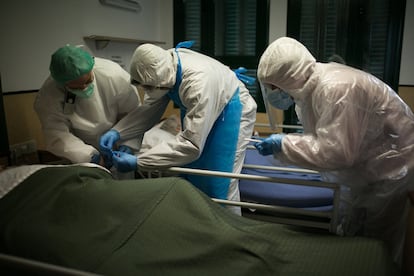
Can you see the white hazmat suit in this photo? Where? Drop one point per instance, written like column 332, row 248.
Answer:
column 356, row 127
column 205, row 87
column 72, row 130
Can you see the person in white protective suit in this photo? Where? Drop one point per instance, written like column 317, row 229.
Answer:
column 217, row 112
column 355, row 127
column 84, row 97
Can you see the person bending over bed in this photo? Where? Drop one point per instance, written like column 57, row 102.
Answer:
column 355, row 126
column 218, row 114
column 84, row 97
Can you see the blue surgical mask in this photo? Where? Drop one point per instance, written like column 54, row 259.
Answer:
column 280, row 99
column 83, row 93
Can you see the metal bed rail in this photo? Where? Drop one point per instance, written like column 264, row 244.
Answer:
column 14, row 265
column 279, row 126
column 318, row 219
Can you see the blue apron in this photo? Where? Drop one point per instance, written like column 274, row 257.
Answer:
column 221, row 144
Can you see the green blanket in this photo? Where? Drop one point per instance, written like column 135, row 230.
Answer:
column 81, row 218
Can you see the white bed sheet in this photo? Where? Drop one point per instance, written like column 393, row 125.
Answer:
column 13, row 176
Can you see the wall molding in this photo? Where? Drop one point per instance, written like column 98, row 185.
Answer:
column 5, row 93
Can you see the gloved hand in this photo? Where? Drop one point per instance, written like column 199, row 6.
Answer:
column 108, row 140
column 106, row 144
column 124, row 148
column 270, row 145
column 124, row 162
column 96, row 158
column 106, row 162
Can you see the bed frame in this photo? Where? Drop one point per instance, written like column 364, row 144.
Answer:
column 291, row 255
column 14, row 265
column 326, row 220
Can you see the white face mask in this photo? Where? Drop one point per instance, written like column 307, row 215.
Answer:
column 83, row 93
column 280, row 99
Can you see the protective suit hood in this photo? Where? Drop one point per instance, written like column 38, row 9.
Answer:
column 152, row 65
column 287, row 64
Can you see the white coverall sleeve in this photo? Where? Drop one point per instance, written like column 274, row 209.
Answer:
column 127, row 100
column 142, row 118
column 202, row 111
column 58, row 138
column 338, row 136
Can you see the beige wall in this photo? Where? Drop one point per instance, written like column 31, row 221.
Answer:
column 22, row 121
column 407, row 94
column 23, row 124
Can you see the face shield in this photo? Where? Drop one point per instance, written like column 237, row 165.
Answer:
column 153, row 66
column 275, row 101
column 152, row 94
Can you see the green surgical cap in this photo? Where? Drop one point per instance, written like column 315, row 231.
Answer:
column 69, row 63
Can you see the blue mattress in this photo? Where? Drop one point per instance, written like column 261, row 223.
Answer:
column 289, row 195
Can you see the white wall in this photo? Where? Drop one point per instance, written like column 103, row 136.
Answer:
column 31, row 31
column 407, row 56
column 278, row 19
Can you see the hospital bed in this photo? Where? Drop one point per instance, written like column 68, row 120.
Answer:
column 275, row 192
column 307, row 201
column 78, row 220
column 302, row 195
column 281, row 194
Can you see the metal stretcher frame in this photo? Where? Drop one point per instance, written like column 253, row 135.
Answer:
column 274, row 213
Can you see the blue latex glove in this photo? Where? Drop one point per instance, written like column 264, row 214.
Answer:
column 106, row 144
column 96, row 158
column 124, row 148
column 107, row 160
column 108, row 140
column 270, row 145
column 124, row 162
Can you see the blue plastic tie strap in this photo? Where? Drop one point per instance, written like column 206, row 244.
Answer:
column 244, row 78
column 185, row 44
